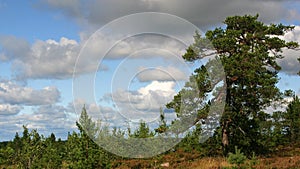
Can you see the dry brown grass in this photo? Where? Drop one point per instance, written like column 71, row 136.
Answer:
column 263, row 163
column 184, row 160
column 211, row 163
column 285, row 158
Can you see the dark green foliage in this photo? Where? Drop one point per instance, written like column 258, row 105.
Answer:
column 83, row 152
column 292, row 117
column 248, row 54
column 52, row 156
column 246, row 45
column 143, row 131
column 163, row 124
column 34, row 151
column 6, row 155
column 253, row 161
column 237, row 158
column 191, row 140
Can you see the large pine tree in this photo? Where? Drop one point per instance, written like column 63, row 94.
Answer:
column 248, row 50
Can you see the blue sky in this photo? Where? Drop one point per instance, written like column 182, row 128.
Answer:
column 41, row 40
column 26, row 19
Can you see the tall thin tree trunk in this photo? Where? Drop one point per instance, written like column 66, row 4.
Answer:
column 225, row 140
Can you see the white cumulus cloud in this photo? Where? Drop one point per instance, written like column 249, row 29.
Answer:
column 11, row 93
column 144, row 104
column 289, row 63
column 7, row 109
column 161, row 74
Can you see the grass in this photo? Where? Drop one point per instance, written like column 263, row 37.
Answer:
column 208, row 162
column 288, row 159
column 263, row 163
column 285, row 158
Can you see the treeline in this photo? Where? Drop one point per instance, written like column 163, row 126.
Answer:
column 32, row 150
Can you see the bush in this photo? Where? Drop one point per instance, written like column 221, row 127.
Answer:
column 237, row 158
column 253, row 161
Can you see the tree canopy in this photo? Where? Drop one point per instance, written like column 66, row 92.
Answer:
column 248, row 50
